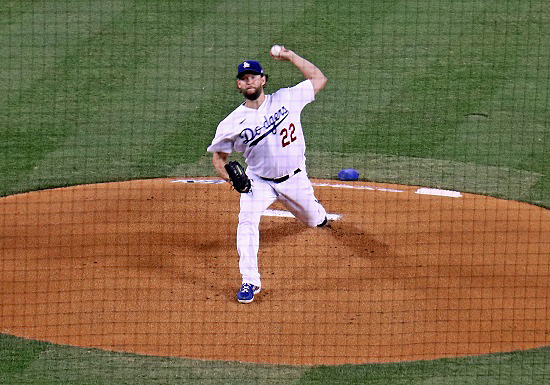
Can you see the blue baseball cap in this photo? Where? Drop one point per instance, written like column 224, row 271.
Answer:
column 249, row 67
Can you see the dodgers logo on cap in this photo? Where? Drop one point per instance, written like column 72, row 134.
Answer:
column 249, row 67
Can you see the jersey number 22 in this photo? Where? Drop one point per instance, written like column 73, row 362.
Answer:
column 289, row 135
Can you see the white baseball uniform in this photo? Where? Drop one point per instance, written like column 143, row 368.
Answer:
column 272, row 141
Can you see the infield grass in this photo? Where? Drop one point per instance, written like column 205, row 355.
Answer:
column 34, row 362
column 448, row 94
column 111, row 90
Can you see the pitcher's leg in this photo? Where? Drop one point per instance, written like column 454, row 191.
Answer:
column 253, row 205
column 297, row 195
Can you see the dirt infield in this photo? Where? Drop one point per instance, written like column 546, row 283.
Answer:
column 151, row 267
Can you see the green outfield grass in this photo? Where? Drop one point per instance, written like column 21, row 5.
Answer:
column 450, row 94
column 35, row 362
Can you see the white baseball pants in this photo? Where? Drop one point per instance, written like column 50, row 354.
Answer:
column 297, row 196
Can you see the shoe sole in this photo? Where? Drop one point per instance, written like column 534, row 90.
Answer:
column 249, row 300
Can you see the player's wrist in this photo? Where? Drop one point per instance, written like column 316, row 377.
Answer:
column 293, row 57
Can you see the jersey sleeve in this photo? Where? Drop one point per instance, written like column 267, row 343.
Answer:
column 223, row 140
column 302, row 93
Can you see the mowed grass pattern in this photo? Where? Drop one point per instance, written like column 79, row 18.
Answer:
column 448, row 94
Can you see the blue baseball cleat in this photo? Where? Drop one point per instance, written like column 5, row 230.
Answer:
column 246, row 294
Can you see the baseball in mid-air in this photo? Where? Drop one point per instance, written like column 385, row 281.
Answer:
column 276, row 50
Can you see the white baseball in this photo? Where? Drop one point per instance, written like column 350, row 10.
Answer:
column 276, row 50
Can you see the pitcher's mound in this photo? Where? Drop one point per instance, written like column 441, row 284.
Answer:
column 151, row 267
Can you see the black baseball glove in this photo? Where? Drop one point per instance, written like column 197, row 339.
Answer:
column 239, row 179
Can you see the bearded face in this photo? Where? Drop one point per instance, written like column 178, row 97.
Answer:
column 251, row 85
column 253, row 93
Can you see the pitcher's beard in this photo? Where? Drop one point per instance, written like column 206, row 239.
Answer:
column 253, row 96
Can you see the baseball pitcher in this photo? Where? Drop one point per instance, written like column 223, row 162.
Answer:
column 267, row 129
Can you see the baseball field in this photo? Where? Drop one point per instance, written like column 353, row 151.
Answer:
column 123, row 97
